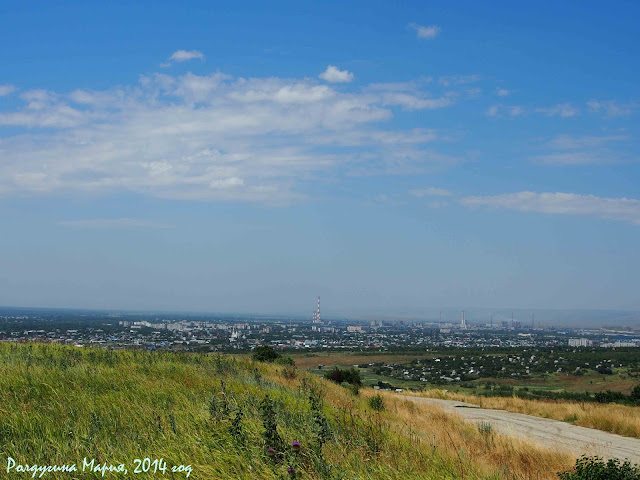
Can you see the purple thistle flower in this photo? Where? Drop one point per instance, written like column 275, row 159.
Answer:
column 291, row 471
column 296, row 445
column 271, row 451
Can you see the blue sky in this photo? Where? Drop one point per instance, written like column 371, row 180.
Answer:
column 251, row 156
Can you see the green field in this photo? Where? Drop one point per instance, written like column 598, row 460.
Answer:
column 622, row 367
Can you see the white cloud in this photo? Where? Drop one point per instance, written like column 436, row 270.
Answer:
column 430, row 192
column 458, row 79
column 581, row 150
column 334, row 75
column 622, row 209
column 210, row 137
column 184, row 55
column 400, row 86
column 402, row 160
column 500, row 110
column 571, row 158
column 502, row 92
column 6, row 90
column 564, row 110
column 113, row 223
column 516, row 110
column 410, row 101
column 431, row 31
column 569, row 142
column 44, row 109
column 611, row 108
column 493, row 111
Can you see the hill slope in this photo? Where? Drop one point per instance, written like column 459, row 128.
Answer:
column 228, row 418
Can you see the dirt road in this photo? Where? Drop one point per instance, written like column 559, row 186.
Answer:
column 551, row 433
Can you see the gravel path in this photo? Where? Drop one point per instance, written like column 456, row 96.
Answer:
column 551, row 433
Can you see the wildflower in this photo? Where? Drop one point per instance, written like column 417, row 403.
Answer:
column 271, row 451
column 296, row 445
column 291, row 471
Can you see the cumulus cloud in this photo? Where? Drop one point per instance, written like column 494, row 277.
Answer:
column 502, row 92
column 6, row 90
column 44, row 109
column 430, row 31
column 564, row 110
column 184, row 55
column 334, row 75
column 622, row 209
column 210, row 137
column 430, row 192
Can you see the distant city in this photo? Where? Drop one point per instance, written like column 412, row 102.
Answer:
column 238, row 333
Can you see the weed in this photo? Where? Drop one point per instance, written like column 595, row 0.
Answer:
column 376, row 403
column 289, row 372
column 236, row 427
column 271, row 436
column 485, row 428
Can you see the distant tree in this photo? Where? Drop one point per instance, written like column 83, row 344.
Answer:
column 351, row 376
column 265, row 353
column 635, row 393
column 335, row 375
column 610, row 397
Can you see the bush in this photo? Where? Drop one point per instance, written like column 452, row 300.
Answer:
column 289, row 372
column 376, row 403
column 595, row 468
column 351, row 375
column 610, row 397
column 285, row 360
column 265, row 353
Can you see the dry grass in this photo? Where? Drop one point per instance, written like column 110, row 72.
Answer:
column 432, row 431
column 331, row 358
column 613, row 418
column 430, row 425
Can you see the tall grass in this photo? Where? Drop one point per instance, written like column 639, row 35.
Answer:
column 228, row 418
column 484, row 449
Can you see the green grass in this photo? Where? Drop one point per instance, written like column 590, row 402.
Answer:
column 369, row 378
column 61, row 404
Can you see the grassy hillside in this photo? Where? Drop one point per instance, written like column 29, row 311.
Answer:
column 230, row 418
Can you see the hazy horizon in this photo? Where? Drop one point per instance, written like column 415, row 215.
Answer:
column 540, row 317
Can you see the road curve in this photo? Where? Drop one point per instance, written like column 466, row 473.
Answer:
column 550, row 433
